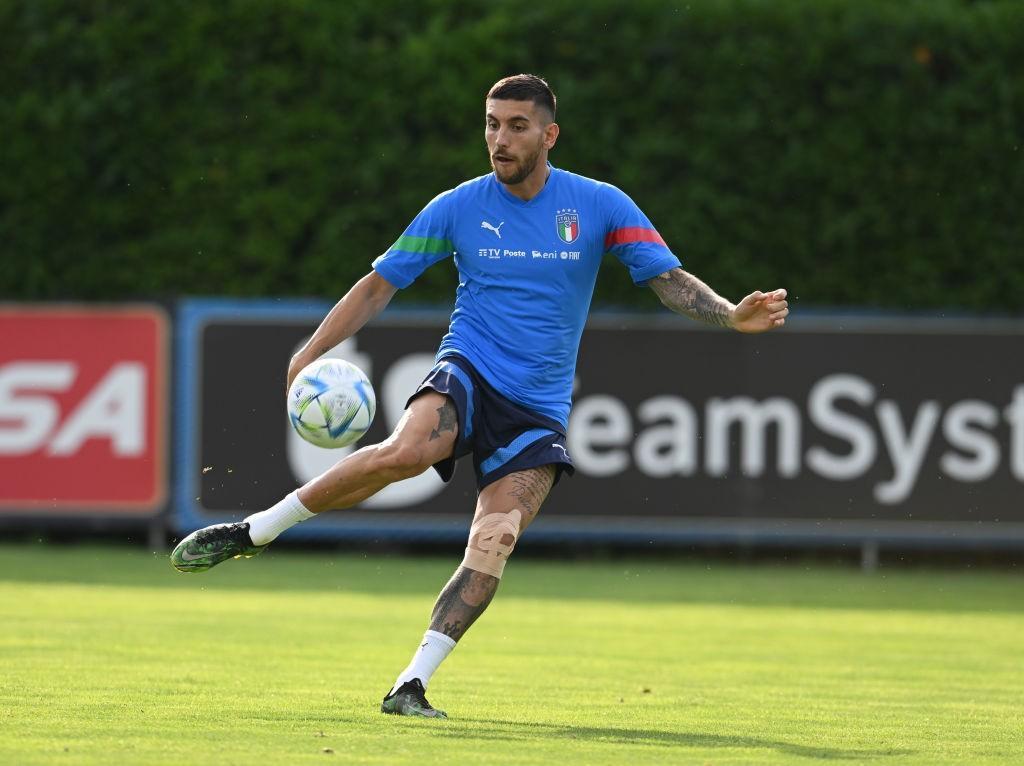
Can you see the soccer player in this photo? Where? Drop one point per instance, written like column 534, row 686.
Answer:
column 527, row 239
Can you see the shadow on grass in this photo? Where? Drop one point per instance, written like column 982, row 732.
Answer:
column 491, row 730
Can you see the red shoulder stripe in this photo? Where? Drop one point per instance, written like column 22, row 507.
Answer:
column 632, row 234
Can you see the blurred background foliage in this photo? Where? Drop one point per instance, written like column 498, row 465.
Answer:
column 860, row 153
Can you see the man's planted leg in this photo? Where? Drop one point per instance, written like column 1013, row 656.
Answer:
column 504, row 510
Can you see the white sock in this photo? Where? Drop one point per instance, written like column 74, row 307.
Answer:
column 267, row 525
column 431, row 653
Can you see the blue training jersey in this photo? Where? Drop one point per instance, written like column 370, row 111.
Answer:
column 527, row 271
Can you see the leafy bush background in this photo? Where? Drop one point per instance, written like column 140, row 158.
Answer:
column 860, row 153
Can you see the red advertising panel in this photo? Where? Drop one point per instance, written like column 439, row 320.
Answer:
column 82, row 409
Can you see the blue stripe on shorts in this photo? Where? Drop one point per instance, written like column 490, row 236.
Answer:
column 467, row 384
column 517, row 445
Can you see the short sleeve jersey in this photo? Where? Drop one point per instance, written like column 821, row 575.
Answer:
column 527, row 271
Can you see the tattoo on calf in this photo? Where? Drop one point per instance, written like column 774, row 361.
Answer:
column 469, row 592
column 463, row 599
column 447, row 420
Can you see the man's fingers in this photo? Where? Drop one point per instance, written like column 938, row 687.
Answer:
column 763, row 311
column 758, row 296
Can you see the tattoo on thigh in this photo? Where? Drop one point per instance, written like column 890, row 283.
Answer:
column 447, row 420
column 463, row 599
column 529, row 488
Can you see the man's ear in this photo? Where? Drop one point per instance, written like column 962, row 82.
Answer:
column 550, row 135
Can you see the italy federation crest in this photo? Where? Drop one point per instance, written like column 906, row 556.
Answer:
column 568, row 224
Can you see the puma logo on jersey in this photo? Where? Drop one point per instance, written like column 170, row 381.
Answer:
column 564, row 450
column 495, row 229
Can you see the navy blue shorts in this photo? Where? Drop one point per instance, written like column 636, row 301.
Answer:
column 502, row 436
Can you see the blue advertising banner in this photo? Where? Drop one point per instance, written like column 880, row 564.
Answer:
column 835, row 430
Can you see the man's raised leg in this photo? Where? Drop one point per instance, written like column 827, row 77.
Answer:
column 425, row 435
column 504, row 510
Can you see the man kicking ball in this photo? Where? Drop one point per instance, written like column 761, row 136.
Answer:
column 528, row 239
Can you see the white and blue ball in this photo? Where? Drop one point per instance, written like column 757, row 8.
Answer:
column 331, row 403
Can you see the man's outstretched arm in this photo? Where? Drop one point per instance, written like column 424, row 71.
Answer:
column 363, row 302
column 685, row 294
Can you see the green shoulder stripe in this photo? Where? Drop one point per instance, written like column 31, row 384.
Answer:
column 422, row 245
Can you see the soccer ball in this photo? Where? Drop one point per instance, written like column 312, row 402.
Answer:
column 331, row 403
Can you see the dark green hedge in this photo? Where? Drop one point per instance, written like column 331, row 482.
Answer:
column 861, row 152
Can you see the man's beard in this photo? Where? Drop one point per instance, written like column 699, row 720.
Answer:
column 521, row 172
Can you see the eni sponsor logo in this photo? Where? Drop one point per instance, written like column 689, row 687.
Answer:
column 554, row 255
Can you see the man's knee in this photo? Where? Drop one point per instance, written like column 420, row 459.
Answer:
column 397, row 460
column 491, row 540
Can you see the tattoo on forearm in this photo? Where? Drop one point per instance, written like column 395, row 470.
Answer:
column 463, row 599
column 685, row 294
column 529, row 488
column 447, row 420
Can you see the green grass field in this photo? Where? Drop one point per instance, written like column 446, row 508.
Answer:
column 107, row 655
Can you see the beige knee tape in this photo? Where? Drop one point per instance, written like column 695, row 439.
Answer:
column 486, row 552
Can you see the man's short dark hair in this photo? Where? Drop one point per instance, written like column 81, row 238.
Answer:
column 524, row 87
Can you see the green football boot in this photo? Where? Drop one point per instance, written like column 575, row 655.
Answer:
column 209, row 546
column 410, row 699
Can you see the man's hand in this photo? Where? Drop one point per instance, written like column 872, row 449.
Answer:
column 295, row 366
column 759, row 312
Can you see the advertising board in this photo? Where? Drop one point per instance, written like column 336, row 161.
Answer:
column 83, row 400
column 834, row 429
